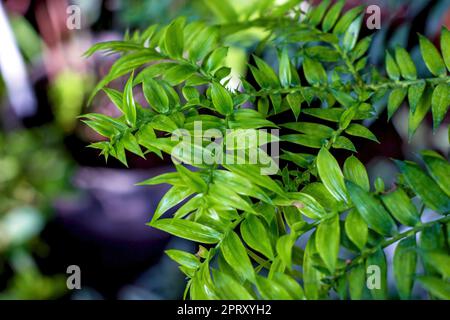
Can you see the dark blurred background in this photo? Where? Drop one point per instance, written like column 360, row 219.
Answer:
column 61, row 204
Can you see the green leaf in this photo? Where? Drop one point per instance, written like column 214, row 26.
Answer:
column 440, row 260
column 416, row 116
column 357, row 281
column 295, row 102
column 371, row 210
column 405, row 260
column 255, row 235
column 183, row 258
column 192, row 179
column 356, row 229
column 221, row 99
column 346, row 20
column 327, row 241
column 314, row 72
column 174, row 196
column 174, row 38
column 407, row 67
column 311, row 276
column 189, row 230
column 396, row 98
column 357, row 130
column 391, row 67
column 131, row 144
column 318, row 191
column 178, row 74
column 228, row 288
column 343, row 98
column 318, row 12
column 430, row 193
column 267, row 73
column 440, row 103
column 224, row 196
column 216, row 59
column 436, row 286
column 361, row 48
column 203, row 43
column 129, row 106
column 285, row 69
column 155, row 95
column 331, row 175
column 355, row 172
column 432, row 57
column 445, row 46
column 125, row 65
column 271, row 290
column 378, row 282
column 308, row 206
column 344, row 143
column 290, row 285
column 401, row 207
column 253, row 173
column 415, row 92
column 439, row 169
column 332, row 15
column 302, row 160
column 351, row 34
column 223, row 10
column 236, row 256
column 284, row 249
column 310, row 128
column 240, row 185
column 304, row 140
column 116, row 97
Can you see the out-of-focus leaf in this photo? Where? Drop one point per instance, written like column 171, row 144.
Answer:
column 332, row 15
